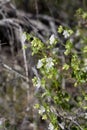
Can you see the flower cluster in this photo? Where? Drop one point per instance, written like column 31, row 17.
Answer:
column 47, row 67
column 49, row 63
column 66, row 34
column 37, row 46
column 41, row 110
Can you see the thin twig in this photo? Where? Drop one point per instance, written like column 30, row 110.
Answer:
column 26, row 65
column 12, row 70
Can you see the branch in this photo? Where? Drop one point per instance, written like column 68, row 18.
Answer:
column 13, row 70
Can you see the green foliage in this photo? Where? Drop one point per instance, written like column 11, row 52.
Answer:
column 37, row 46
column 56, row 104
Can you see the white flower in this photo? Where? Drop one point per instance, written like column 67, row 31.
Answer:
column 51, row 127
column 52, row 39
column 42, row 110
column 39, row 64
column 49, row 62
column 38, row 84
column 66, row 34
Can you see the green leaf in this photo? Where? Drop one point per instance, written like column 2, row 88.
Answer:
column 60, row 29
column 65, row 66
column 70, row 31
column 85, row 49
column 36, row 106
column 44, row 117
column 68, row 47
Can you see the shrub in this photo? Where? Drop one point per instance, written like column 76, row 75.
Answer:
column 58, row 70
